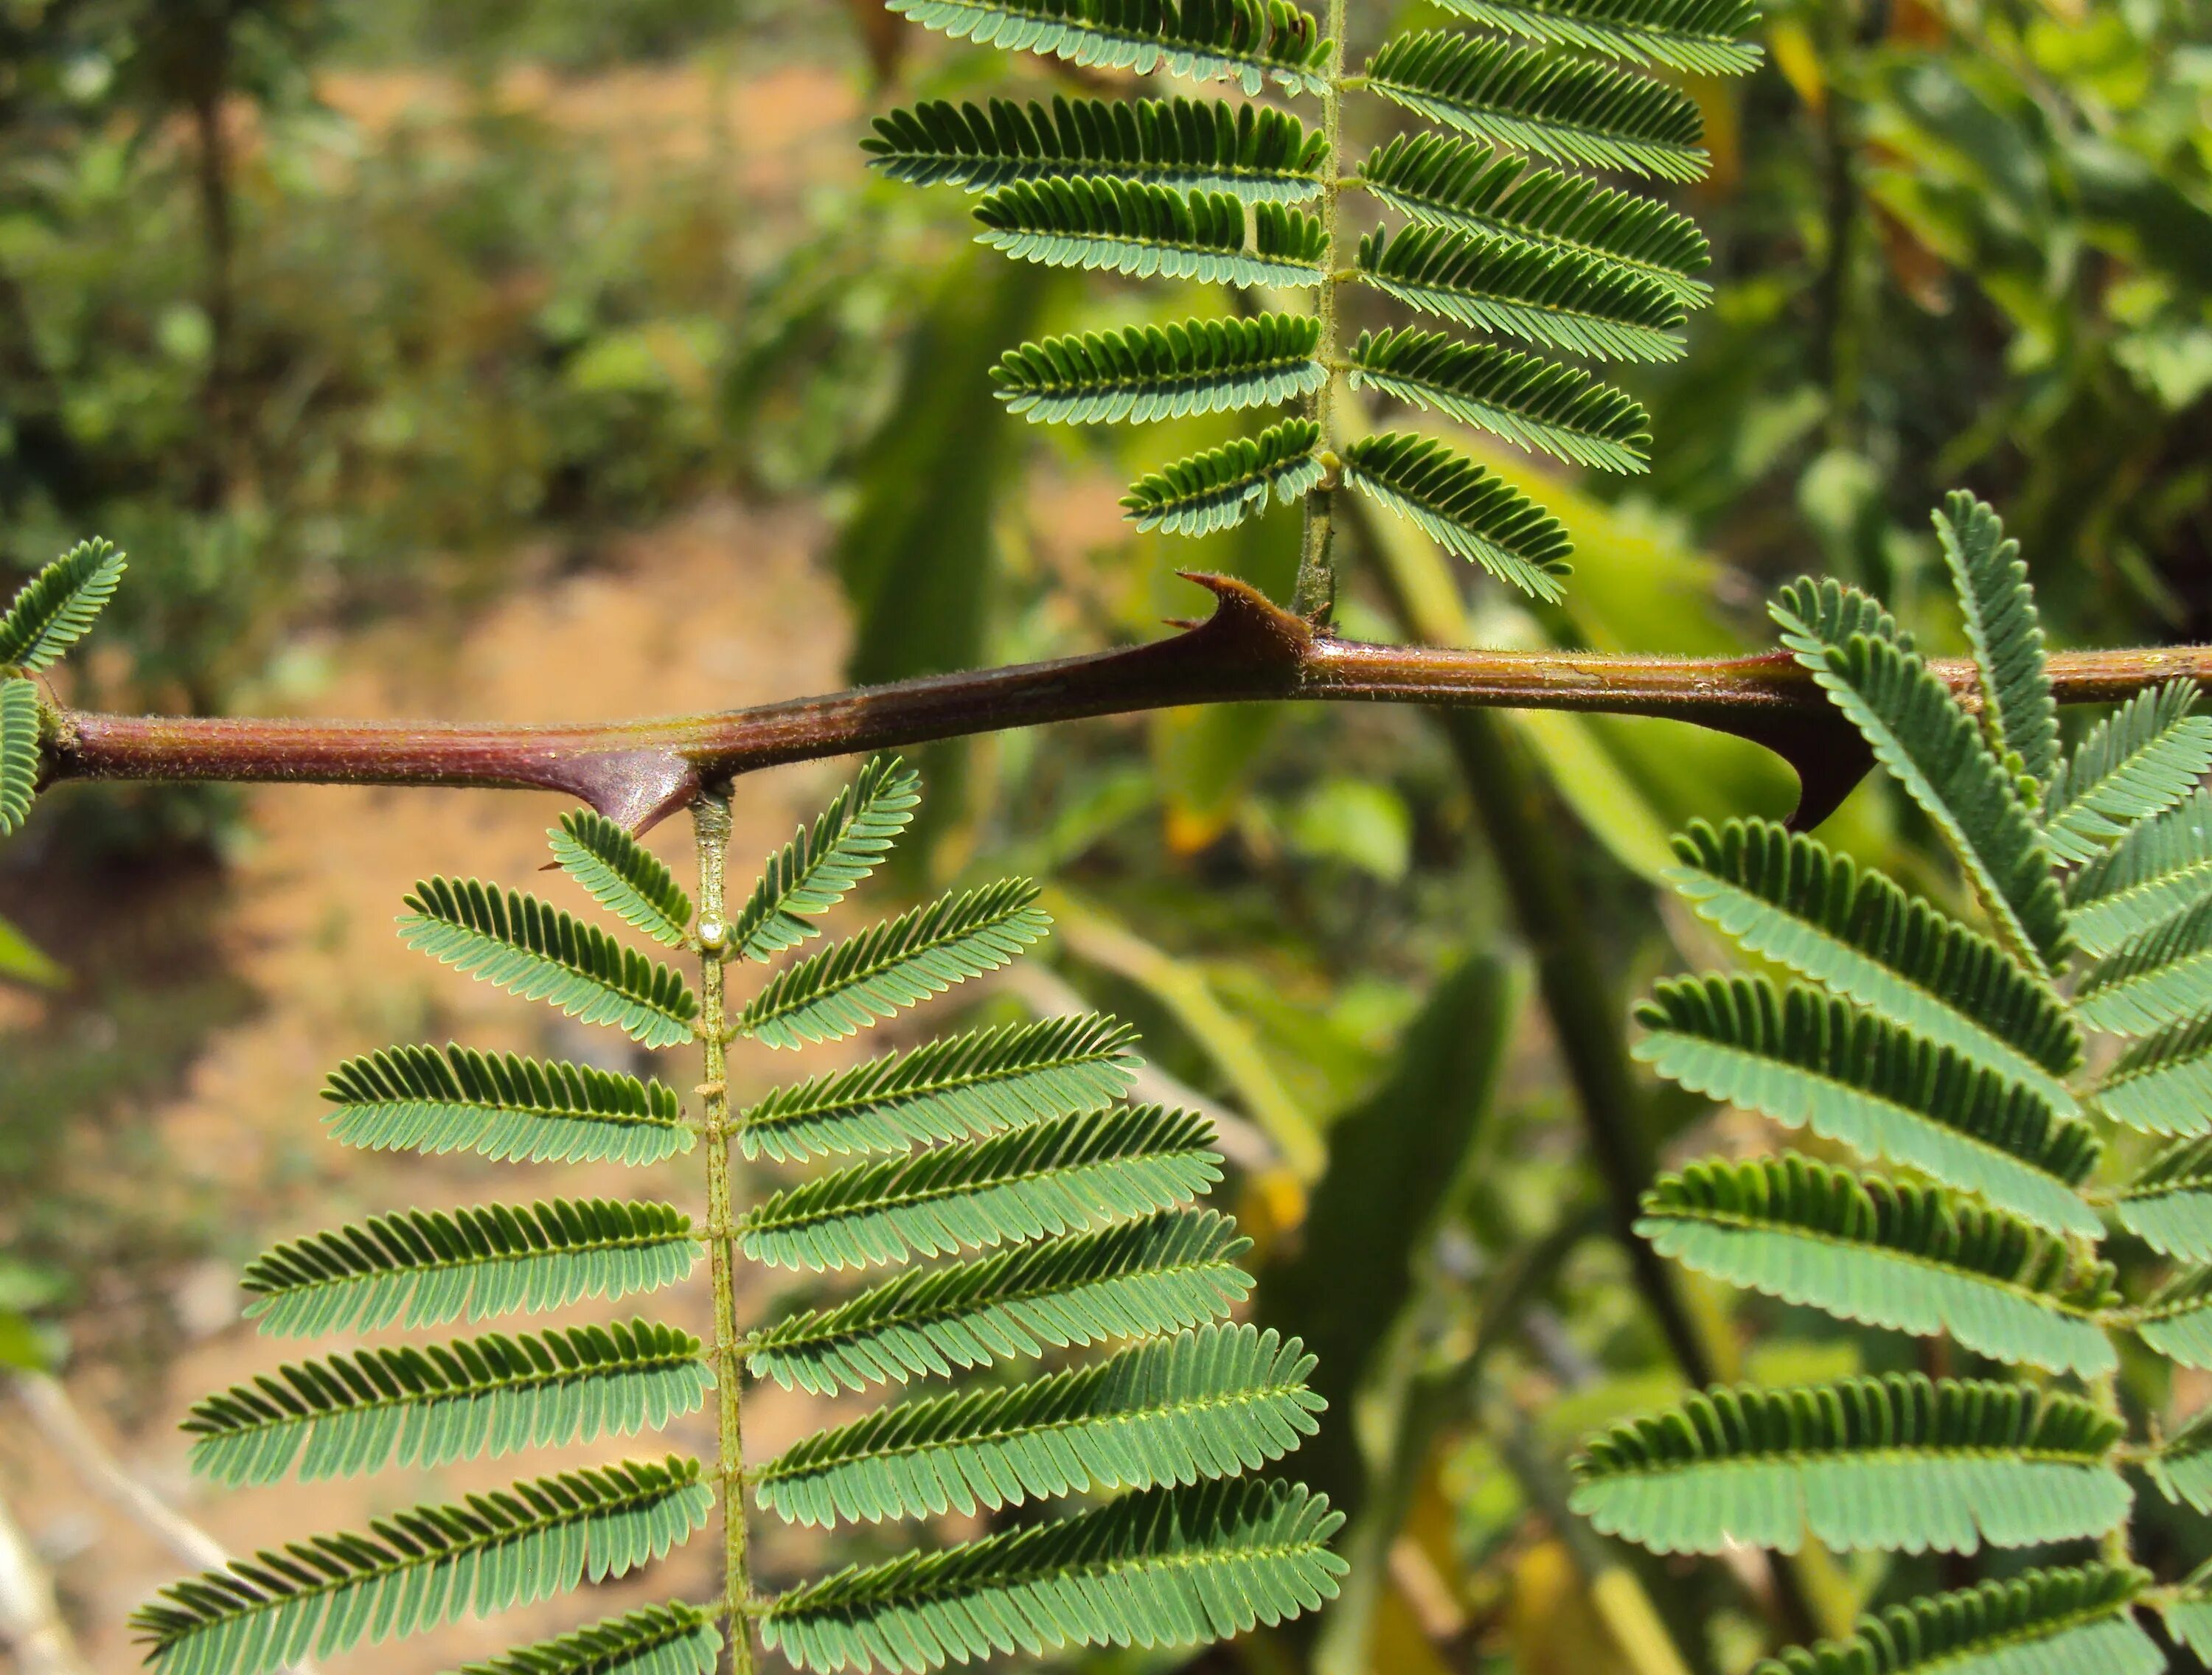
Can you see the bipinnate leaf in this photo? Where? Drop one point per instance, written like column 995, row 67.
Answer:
column 1219, row 488
column 823, row 863
column 2038, row 1623
column 2162, row 1084
column 1895, row 1464
column 2169, row 1204
column 1202, row 1404
column 2161, row 866
column 2176, row 1320
column 1888, row 1253
column 423, row 1567
column 1144, row 373
column 1152, row 232
column 878, row 974
column 2006, row 632
column 962, row 1087
column 57, row 607
column 2157, row 978
column 1171, row 1567
column 1706, row 37
column 425, row 1267
column 348, row 1415
column 1935, row 750
column 2139, row 762
column 503, row 1107
column 1165, row 1273
column 1250, row 42
column 1465, row 509
column 521, row 945
column 2181, row 1465
column 621, row 876
column 674, row 1639
column 19, row 752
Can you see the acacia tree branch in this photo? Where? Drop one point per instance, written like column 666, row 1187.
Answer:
column 638, row 771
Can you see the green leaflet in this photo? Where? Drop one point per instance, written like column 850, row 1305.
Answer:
column 2140, row 761
column 424, row 1267
column 1249, row 151
column 1159, row 1567
column 1849, row 1074
column 2040, row 1623
column 848, row 985
column 2182, row 1465
column 1530, row 100
column 1704, row 36
column 1165, row 1273
column 1888, row 1253
column 1528, row 401
column 353, row 1414
column 1500, row 284
column 1899, row 1463
column 622, row 876
column 1219, row 488
column 502, row 1107
column 2161, row 866
column 422, row 1569
column 2158, row 977
column 1463, row 508
column 57, row 607
column 2169, row 1204
column 1150, row 232
column 822, row 865
column 1145, row 372
column 1934, row 750
column 674, row 1639
column 1061, row 1175
column 2002, row 621
column 2176, row 1319
column 1203, row 1405
column 1787, row 897
column 520, row 943
column 1236, row 40
column 20, row 755
column 2162, row 1084
column 962, row 1087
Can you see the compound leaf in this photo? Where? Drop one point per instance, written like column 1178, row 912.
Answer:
column 2040, row 1623
column 2140, row 761
column 2162, row 1084
column 1145, row 372
column 19, row 752
column 2161, row 866
column 1527, row 400
column 2002, row 622
column 2169, row 1204
column 2157, row 978
column 1706, row 37
column 674, row 1639
column 821, row 865
column 57, row 607
column 1249, row 42
column 2176, row 1319
column 1465, row 509
column 621, row 876
column 1219, row 488
column 1152, row 232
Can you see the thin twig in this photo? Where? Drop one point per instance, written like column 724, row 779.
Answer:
column 31, row 1623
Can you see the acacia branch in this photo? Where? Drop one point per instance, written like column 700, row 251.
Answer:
column 1249, row 650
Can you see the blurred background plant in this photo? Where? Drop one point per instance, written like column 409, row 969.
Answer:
column 383, row 311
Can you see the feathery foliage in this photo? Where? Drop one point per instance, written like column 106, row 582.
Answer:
column 19, row 752
column 57, row 607
column 1150, row 232
column 2176, row 1320
column 1703, row 36
column 1145, row 372
column 1462, row 507
column 2181, row 1465
column 2169, row 1204
column 1896, row 1463
column 520, row 943
column 1250, row 42
column 2040, row 1623
column 2162, row 865
column 1524, row 398
column 821, row 865
column 2162, row 1084
column 632, row 885
column 1221, row 487
column 675, row 1639
column 2006, row 632
column 2158, row 977
column 2138, row 761
column 502, row 1107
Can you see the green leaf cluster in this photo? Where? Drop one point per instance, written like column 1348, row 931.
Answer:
column 54, row 609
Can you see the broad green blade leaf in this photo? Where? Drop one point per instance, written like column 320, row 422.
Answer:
column 1528, row 401
column 1203, row 39
column 2163, row 1084
column 2161, row 866
column 1936, row 751
column 622, row 876
column 849, row 984
column 2169, row 1204
column 1787, row 897
column 1502, row 285
column 520, row 943
column 2139, row 762
column 1159, row 1568
column 425, row 1267
column 1706, row 37
column 2002, row 622
column 1208, row 1403
column 819, row 867
column 1895, row 1464
column 1888, row 1253
column 2158, row 977
column 1849, row 1074
column 1165, row 1273
column 1530, row 99
column 961, row 1088
column 1442, row 181
column 1465, row 509
column 1150, row 232
column 1145, row 372
column 2040, row 1623
column 19, row 752
column 674, row 1639
column 353, row 1414
column 58, row 606
column 1219, row 488
column 2181, row 1465
column 422, row 1569
column 502, row 1107
column 1063, row 1175
column 1249, row 151
column 2177, row 1321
